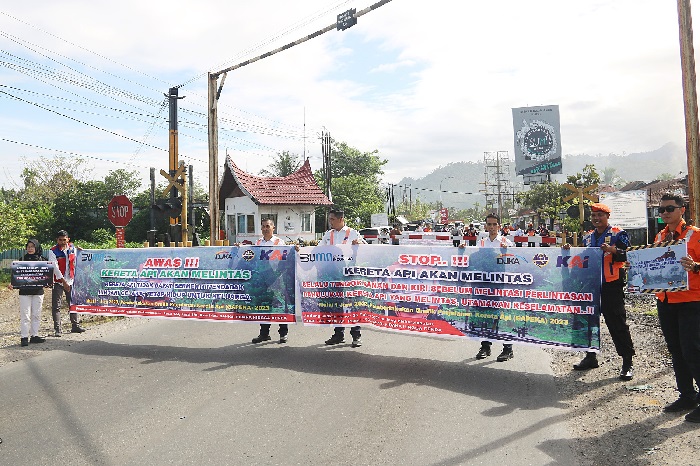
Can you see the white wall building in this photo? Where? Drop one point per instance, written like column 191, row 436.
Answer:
column 247, row 199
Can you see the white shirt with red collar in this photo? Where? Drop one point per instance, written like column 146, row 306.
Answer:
column 498, row 242
column 273, row 241
column 345, row 235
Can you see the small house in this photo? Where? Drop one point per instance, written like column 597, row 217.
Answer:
column 290, row 201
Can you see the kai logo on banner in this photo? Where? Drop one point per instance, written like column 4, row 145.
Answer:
column 273, row 255
column 572, row 262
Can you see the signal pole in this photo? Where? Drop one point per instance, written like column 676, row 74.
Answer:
column 690, row 105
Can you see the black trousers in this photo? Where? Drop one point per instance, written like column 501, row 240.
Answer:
column 265, row 329
column 612, row 306
column 680, row 324
column 354, row 331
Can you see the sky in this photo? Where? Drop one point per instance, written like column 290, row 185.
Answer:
column 424, row 83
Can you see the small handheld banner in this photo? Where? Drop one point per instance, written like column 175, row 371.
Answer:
column 542, row 296
column 656, row 267
column 248, row 283
column 31, row 274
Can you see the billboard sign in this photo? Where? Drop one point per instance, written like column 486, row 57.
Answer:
column 537, row 140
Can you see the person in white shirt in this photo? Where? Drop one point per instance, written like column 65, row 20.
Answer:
column 342, row 234
column 269, row 239
column 494, row 240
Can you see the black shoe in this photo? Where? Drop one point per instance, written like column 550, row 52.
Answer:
column 37, row 339
column 627, row 372
column 681, row 404
column 24, row 341
column 589, row 362
column 693, row 416
column 77, row 329
column 336, row 339
column 260, row 338
column 283, row 339
column 356, row 342
column 57, row 333
column 505, row 355
column 484, row 352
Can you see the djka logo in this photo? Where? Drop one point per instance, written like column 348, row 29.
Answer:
column 572, row 262
column 222, row 255
column 508, row 259
column 273, row 255
column 540, row 259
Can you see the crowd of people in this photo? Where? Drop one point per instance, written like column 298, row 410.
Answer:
column 678, row 311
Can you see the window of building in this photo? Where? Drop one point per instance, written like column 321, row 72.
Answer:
column 246, row 223
column 306, row 222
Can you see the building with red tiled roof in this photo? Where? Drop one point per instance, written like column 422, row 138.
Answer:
column 290, row 201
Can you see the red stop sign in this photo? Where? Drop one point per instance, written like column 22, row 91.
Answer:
column 120, row 210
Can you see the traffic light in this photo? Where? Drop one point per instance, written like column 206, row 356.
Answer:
column 169, row 208
column 173, row 207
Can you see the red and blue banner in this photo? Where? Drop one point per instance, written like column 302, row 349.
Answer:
column 542, row 296
column 248, row 283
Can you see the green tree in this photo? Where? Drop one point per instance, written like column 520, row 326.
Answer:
column 544, row 198
column 417, row 210
column 610, row 177
column 284, row 164
column 355, row 184
column 15, row 227
column 587, row 177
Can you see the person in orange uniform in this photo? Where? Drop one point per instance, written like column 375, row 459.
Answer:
column 679, row 311
column 613, row 241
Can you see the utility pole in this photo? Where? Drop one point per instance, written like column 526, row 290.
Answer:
column 344, row 21
column 174, row 162
column 690, row 105
column 213, row 99
column 326, row 152
column 496, row 179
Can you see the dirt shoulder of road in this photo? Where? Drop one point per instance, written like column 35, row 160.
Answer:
column 612, row 422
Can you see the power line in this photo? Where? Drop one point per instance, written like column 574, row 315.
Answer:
column 70, row 153
column 302, row 22
column 81, row 47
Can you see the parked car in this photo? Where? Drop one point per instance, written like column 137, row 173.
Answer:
column 376, row 235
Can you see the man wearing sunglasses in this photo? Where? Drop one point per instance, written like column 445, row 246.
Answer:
column 613, row 241
column 679, row 311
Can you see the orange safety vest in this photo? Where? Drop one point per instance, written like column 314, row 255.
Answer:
column 691, row 235
column 611, row 269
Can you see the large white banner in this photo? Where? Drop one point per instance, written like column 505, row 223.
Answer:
column 629, row 208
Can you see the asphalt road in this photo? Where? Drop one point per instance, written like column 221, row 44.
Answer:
column 180, row 392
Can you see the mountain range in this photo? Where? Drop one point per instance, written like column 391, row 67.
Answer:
column 462, row 183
